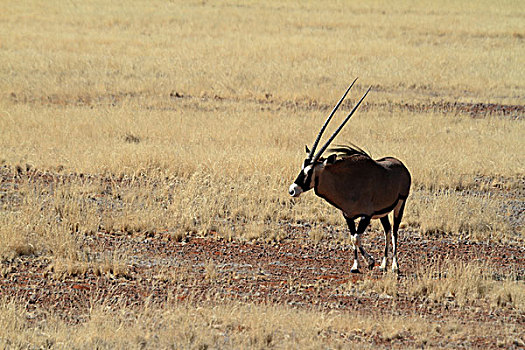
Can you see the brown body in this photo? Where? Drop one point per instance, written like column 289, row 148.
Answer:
column 361, row 186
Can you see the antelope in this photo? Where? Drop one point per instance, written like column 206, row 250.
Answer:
column 359, row 186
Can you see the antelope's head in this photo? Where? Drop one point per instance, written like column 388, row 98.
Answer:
column 305, row 181
column 314, row 163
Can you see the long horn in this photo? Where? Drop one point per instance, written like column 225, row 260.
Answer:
column 328, row 120
column 316, row 157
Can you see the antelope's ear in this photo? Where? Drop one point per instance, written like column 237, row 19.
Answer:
column 331, row 159
column 307, row 149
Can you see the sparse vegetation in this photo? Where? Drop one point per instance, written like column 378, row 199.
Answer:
column 452, row 282
column 234, row 325
column 154, row 123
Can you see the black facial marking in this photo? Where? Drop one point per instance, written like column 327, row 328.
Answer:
column 303, row 180
column 300, row 179
column 306, row 163
column 308, row 179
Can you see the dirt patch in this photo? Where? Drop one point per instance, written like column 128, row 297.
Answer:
column 295, row 272
column 268, row 101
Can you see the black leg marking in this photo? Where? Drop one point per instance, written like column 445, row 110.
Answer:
column 361, row 228
column 351, row 225
column 386, row 224
column 363, row 224
column 398, row 215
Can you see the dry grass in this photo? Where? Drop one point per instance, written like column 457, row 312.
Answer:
column 234, row 326
column 188, row 179
column 477, row 217
column 455, row 50
column 453, row 282
column 163, row 116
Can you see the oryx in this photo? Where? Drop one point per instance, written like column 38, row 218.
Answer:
column 359, row 186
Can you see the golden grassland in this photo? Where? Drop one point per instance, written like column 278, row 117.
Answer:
column 233, row 174
column 444, row 49
column 238, row 326
column 192, row 117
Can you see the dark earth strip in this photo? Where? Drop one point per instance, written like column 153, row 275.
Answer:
column 473, row 109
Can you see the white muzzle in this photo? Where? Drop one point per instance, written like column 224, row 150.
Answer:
column 295, row 190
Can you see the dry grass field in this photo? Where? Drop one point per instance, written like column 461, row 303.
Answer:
column 146, row 149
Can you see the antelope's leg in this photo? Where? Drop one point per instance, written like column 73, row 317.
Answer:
column 398, row 215
column 351, row 226
column 386, row 226
column 355, row 265
column 363, row 224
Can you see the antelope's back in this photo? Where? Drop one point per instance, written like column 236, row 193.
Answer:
column 398, row 173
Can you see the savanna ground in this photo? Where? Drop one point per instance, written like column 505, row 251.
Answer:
column 146, row 149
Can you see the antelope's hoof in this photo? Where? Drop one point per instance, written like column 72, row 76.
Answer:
column 355, row 271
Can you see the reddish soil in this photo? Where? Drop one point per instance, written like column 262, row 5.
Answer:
column 295, row 272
